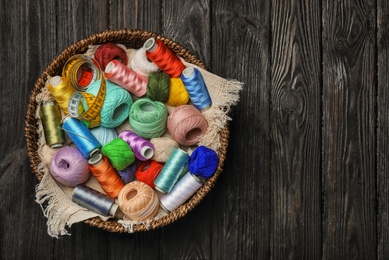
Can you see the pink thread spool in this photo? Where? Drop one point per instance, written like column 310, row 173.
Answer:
column 126, row 78
column 186, row 124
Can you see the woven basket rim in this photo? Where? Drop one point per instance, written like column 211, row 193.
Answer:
column 135, row 39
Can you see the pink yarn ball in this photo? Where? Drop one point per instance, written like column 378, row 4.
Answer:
column 69, row 167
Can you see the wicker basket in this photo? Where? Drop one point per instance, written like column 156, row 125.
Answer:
column 134, row 39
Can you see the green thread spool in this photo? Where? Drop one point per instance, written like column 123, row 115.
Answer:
column 148, row 118
column 50, row 114
column 158, row 86
column 119, row 153
column 171, row 171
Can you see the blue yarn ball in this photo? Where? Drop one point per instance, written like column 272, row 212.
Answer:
column 128, row 174
column 104, row 135
column 203, row 162
column 117, row 103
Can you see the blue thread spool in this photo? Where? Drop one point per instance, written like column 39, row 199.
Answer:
column 81, row 136
column 171, row 171
column 195, row 85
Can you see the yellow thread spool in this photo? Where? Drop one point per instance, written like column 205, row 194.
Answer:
column 177, row 93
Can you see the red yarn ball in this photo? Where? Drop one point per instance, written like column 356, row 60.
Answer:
column 148, row 171
column 109, row 52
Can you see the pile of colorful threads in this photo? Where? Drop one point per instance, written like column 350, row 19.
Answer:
column 136, row 164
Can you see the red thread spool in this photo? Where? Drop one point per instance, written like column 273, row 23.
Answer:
column 163, row 57
column 106, row 175
column 148, row 171
column 109, row 52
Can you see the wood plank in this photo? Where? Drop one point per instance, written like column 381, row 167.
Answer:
column 296, row 144
column 241, row 198
column 188, row 23
column 382, row 131
column 349, row 130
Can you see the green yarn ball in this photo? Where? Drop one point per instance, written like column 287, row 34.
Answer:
column 158, row 86
column 119, row 153
column 148, row 118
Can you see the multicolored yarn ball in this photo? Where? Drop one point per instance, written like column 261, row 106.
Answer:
column 203, row 162
column 119, row 153
column 158, row 86
column 138, row 201
column 178, row 95
column 109, row 52
column 104, row 135
column 163, row 147
column 148, row 118
column 186, row 124
column 69, row 167
column 128, row 174
column 141, row 65
column 148, row 171
column 117, row 103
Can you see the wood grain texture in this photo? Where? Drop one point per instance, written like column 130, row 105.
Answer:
column 295, row 113
column 383, row 129
column 349, row 130
column 241, row 205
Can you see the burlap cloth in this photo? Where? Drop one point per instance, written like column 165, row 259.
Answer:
column 55, row 199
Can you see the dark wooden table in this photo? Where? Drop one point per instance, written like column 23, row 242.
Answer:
column 307, row 169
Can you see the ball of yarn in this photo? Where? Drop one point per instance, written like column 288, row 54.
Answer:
column 141, row 65
column 117, row 103
column 69, row 167
column 148, row 118
column 186, row 124
column 148, row 171
column 203, row 162
column 178, row 95
column 158, row 86
column 163, row 147
column 119, row 153
column 128, row 174
column 104, row 135
column 138, row 201
column 109, row 52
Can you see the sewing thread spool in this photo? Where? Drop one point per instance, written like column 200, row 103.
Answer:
column 126, row 78
column 108, row 52
column 195, row 85
column 148, row 171
column 94, row 200
column 106, row 175
column 178, row 95
column 141, row 65
column 171, row 171
column 138, row 201
column 182, row 191
column 51, row 120
column 81, row 136
column 163, row 57
column 142, row 148
column 186, row 124
column 61, row 91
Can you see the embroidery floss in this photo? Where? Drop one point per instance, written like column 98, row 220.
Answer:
column 203, row 162
column 163, row 57
column 108, row 52
column 126, row 78
column 94, row 200
column 171, row 171
column 186, row 124
column 128, row 174
column 158, row 86
column 148, row 118
column 141, row 65
column 178, row 95
column 104, row 135
column 142, row 148
column 148, row 171
column 51, row 120
column 69, row 167
column 138, row 201
column 182, row 191
column 119, row 153
column 106, row 175
column 194, row 84
column 163, row 147
column 81, row 136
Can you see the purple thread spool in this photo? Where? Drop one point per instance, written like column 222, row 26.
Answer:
column 142, row 148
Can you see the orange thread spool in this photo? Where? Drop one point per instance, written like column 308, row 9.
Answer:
column 106, row 175
column 148, row 171
column 163, row 57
